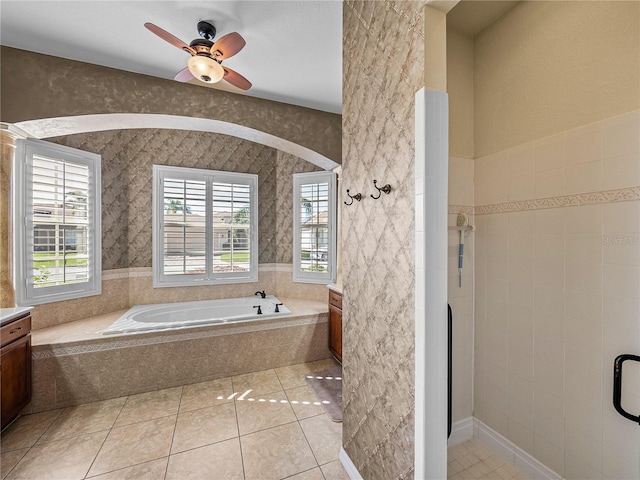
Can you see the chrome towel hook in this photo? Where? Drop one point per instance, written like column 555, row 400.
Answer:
column 386, row 189
column 357, row 196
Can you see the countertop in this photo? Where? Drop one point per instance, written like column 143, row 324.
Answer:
column 335, row 288
column 9, row 314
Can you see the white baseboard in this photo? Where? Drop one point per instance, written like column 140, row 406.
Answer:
column 348, row 465
column 471, row 427
column 524, row 462
column 461, row 431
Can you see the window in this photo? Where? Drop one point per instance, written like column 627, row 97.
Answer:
column 314, row 220
column 58, row 245
column 205, row 227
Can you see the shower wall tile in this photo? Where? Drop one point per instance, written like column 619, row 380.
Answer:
column 572, row 302
column 585, row 144
column 549, row 153
column 378, row 236
column 621, row 172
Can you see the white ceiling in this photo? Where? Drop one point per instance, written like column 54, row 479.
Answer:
column 293, row 52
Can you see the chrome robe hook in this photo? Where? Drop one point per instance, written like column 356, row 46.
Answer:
column 386, row 189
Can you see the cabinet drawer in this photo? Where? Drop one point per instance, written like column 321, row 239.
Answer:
column 14, row 330
column 335, row 299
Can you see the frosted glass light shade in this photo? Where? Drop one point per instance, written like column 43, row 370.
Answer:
column 205, row 69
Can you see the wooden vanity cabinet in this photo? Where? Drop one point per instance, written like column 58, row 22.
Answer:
column 335, row 324
column 15, row 368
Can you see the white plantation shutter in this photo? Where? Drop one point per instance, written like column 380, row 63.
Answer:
column 205, row 227
column 58, row 245
column 314, row 242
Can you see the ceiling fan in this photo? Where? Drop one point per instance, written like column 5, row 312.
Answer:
column 206, row 56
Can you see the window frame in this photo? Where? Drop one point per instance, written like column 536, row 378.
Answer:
column 300, row 179
column 25, row 292
column 160, row 279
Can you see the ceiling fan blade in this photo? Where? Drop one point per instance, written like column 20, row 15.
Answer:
column 228, row 45
column 167, row 37
column 183, row 75
column 235, row 79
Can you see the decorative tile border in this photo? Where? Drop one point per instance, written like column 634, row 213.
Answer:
column 457, row 209
column 607, row 196
column 169, row 337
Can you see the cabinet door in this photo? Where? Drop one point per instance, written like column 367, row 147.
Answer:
column 15, row 378
column 335, row 331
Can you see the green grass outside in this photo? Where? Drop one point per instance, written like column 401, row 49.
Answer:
column 240, row 257
column 45, row 260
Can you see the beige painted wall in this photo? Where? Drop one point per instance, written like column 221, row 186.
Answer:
column 460, row 89
column 546, row 67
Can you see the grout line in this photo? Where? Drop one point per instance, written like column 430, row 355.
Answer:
column 105, row 438
column 235, row 411
column 175, row 425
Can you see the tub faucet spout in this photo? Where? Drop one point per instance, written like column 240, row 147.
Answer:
column 261, row 293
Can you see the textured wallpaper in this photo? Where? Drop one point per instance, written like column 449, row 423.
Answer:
column 287, row 165
column 77, row 88
column 127, row 160
column 382, row 69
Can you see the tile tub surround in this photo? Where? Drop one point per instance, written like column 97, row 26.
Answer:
column 187, row 432
column 74, row 363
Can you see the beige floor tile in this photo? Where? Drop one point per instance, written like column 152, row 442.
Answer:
column 324, row 364
column 153, row 470
column 221, row 460
column 147, row 406
column 26, row 431
column 204, row 427
column 324, row 436
column 265, row 412
column 136, row 443
column 260, row 383
column 334, row 471
column 206, row 394
column 82, row 419
column 313, row 474
column 65, row 459
column 293, row 376
column 8, row 460
column 304, row 402
column 276, row 453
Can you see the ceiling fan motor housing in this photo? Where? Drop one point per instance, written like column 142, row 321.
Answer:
column 206, row 30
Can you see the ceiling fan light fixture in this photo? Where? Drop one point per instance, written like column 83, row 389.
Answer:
column 205, row 69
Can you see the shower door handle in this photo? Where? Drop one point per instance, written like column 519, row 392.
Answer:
column 617, row 386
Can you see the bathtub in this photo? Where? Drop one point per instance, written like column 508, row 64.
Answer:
column 172, row 316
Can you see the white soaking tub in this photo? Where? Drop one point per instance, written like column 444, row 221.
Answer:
column 172, row 316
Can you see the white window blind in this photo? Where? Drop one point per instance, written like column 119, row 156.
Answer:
column 205, row 227
column 314, row 227
column 58, row 245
